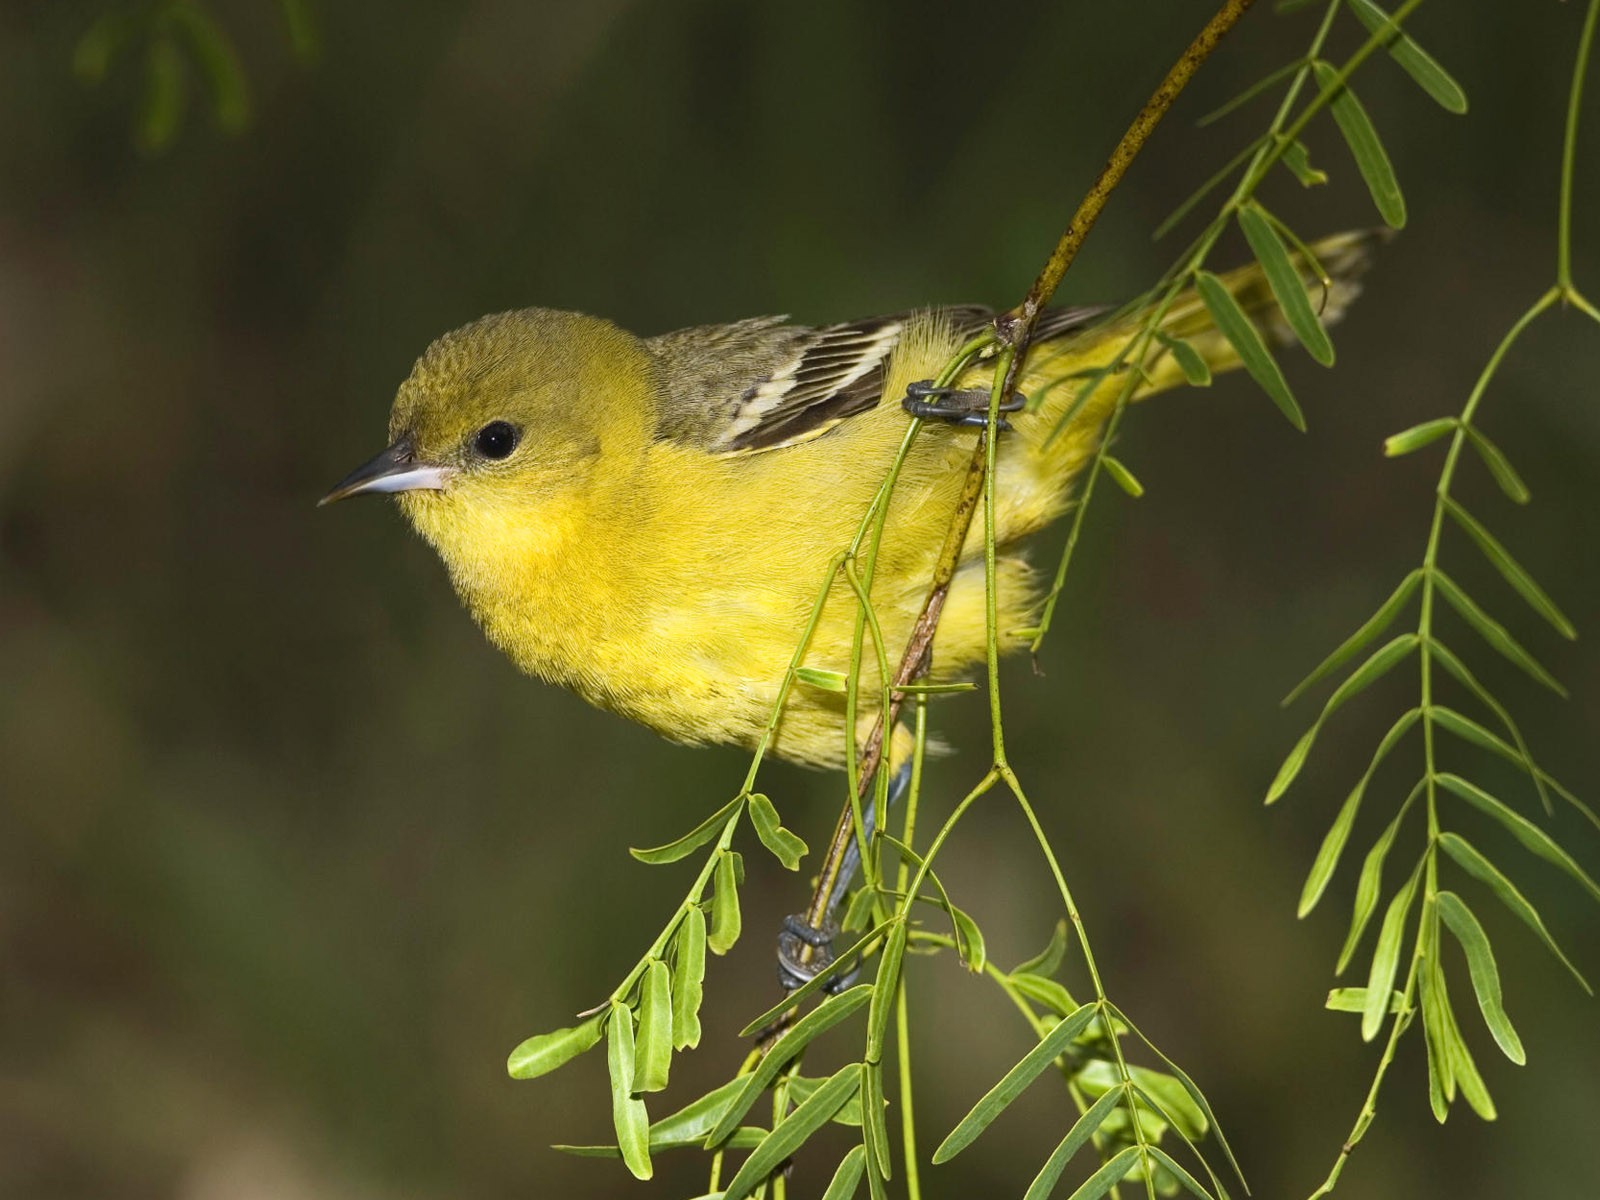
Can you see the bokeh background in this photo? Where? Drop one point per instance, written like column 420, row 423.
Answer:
column 290, row 858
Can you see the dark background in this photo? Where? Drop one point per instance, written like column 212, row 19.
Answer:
column 290, row 858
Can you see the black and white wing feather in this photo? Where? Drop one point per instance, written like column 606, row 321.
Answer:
column 760, row 384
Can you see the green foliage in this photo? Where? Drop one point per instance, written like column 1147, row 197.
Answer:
column 181, row 37
column 1128, row 1113
column 628, row 1114
column 1365, row 146
column 1236, row 326
column 1424, row 989
column 545, row 1052
column 994, row 1101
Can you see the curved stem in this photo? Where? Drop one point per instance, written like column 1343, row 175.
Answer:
column 1569, row 150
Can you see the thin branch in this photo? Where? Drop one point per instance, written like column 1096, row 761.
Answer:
column 1015, row 330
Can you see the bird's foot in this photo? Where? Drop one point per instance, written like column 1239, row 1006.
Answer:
column 959, row 407
column 804, row 952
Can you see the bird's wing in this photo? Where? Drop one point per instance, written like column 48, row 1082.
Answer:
column 761, row 384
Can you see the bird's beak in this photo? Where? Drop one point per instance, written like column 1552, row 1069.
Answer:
column 395, row 470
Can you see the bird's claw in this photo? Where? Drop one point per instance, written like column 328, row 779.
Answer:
column 958, row 407
column 796, row 968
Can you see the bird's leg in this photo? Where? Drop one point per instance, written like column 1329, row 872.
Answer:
column 969, row 407
column 805, row 944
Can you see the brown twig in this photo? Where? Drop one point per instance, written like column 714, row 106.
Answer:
column 1014, row 330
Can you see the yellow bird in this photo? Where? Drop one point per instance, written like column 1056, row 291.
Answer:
column 648, row 521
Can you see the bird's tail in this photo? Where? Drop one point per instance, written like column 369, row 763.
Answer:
column 1331, row 278
column 1072, row 381
column 1330, row 274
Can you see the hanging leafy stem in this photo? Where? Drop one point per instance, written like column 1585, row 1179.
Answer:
column 1445, row 730
column 1123, row 1110
column 177, row 37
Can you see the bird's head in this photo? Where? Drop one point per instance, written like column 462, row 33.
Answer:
column 508, row 417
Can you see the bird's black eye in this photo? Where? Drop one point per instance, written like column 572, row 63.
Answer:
column 497, row 439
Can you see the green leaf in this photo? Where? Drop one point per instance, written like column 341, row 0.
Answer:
column 1171, row 1100
column 1524, row 830
column 1371, row 159
column 1292, row 763
column 1251, row 92
column 1332, row 847
column 819, row 1020
column 935, row 689
column 1377, row 665
column 1176, row 216
column 1373, row 626
column 1099, row 1077
column 91, row 57
column 884, row 987
column 688, row 974
column 1446, row 658
column 302, row 27
column 874, row 1128
column 1190, row 361
column 214, row 50
column 1386, row 958
column 785, row 846
column 1354, row 1000
column 801, row 1086
column 1408, row 441
column 1435, row 1028
column 1481, row 869
column 1493, row 632
column 996, row 1099
column 694, row 839
column 1465, row 1069
column 1082, row 1130
column 690, row 1124
column 1370, row 884
column 1485, row 975
column 162, row 109
column 1418, row 63
column 1450, row 1063
column 1499, row 466
column 858, row 913
column 653, row 1052
column 791, row 1133
column 1298, row 160
column 848, row 1177
column 825, row 681
column 1121, row 476
column 1046, row 992
column 746, row 1137
column 1511, row 569
column 970, row 940
column 876, row 1189
column 725, row 920
column 1246, row 341
column 1187, row 1180
column 544, row 1053
column 1470, row 731
column 628, row 1115
column 1190, row 1087
column 1284, row 280
column 1048, row 960
column 1334, row 842
column 1108, row 1176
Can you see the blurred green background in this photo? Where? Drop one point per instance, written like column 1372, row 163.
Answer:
column 290, row 858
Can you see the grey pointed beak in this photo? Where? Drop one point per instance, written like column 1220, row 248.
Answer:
column 395, row 470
